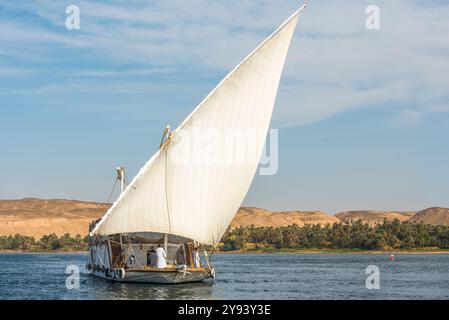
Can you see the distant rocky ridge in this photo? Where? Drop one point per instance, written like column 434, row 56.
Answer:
column 262, row 218
column 434, row 216
column 37, row 217
column 371, row 217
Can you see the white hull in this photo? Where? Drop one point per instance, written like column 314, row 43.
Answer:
column 160, row 277
column 113, row 262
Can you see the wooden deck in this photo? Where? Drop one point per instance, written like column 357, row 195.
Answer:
column 169, row 269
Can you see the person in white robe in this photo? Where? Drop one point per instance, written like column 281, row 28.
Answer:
column 161, row 258
column 196, row 258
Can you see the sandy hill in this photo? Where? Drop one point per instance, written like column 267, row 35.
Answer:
column 36, row 217
column 433, row 216
column 261, row 218
column 374, row 217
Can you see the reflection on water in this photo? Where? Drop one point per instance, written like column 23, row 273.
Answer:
column 110, row 290
column 240, row 276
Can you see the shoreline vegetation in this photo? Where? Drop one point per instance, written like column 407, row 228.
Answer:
column 274, row 251
column 388, row 237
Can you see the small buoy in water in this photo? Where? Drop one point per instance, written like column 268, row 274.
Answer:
column 391, row 257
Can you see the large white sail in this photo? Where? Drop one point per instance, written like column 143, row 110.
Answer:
column 180, row 190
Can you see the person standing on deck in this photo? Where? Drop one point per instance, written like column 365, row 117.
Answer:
column 152, row 258
column 196, row 258
column 161, row 256
column 180, row 256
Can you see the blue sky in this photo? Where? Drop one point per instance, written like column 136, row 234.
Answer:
column 363, row 114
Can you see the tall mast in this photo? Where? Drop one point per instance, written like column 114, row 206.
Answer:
column 165, row 243
column 164, row 142
column 121, row 177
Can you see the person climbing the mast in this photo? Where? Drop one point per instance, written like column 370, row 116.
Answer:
column 166, row 136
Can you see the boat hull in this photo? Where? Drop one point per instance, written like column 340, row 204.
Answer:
column 157, row 277
column 110, row 259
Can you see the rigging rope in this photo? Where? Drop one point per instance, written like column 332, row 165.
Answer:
column 101, row 260
column 112, row 191
column 165, row 186
column 133, row 253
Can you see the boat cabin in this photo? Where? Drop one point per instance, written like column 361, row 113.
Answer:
column 115, row 255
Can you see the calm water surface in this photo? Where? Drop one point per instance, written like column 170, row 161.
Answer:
column 240, row 276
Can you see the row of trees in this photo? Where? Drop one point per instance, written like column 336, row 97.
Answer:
column 386, row 236
column 47, row 242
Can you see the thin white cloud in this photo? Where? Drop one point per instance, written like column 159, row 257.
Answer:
column 335, row 63
column 13, row 71
column 101, row 73
column 407, row 118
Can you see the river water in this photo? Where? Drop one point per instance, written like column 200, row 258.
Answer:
column 240, row 276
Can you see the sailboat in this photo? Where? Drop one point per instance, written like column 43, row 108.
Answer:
column 182, row 200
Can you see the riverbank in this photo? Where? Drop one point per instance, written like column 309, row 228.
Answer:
column 340, row 251
column 43, row 251
column 283, row 251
